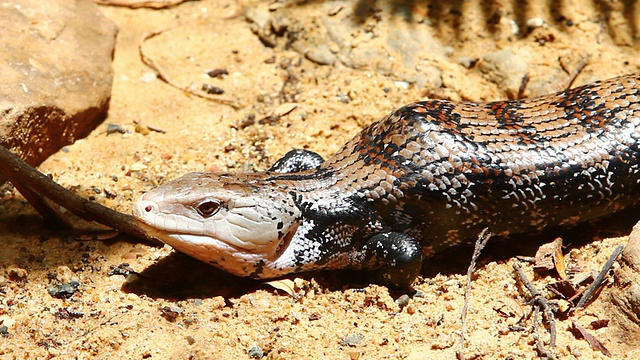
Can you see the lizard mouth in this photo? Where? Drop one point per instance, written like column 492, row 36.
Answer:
column 179, row 227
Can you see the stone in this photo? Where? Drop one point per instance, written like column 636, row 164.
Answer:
column 403, row 49
column 56, row 74
column 506, row 68
column 623, row 300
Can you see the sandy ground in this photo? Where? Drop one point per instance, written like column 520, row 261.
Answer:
column 138, row 301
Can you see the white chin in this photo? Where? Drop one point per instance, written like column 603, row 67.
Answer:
column 218, row 253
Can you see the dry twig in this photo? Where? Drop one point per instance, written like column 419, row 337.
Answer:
column 162, row 74
column 540, row 301
column 574, row 74
column 598, row 280
column 481, row 242
column 150, row 4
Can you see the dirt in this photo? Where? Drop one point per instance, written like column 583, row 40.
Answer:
column 135, row 300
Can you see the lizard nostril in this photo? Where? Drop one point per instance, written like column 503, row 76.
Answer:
column 146, row 208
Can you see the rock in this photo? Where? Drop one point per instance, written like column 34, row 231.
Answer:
column 505, row 68
column 352, row 340
column 255, row 352
column 624, row 297
column 403, row 49
column 63, row 291
column 56, row 74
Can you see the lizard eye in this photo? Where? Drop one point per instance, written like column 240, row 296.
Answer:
column 207, row 208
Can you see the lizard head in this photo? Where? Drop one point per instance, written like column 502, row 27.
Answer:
column 234, row 222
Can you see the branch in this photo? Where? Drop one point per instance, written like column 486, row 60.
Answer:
column 33, row 182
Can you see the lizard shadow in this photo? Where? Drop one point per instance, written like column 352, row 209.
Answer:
column 457, row 259
column 181, row 277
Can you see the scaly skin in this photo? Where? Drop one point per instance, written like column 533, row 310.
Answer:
column 426, row 177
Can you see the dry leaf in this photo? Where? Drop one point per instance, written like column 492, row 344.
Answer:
column 285, row 285
column 549, row 256
column 509, row 308
column 592, row 340
column 563, row 288
column 558, row 261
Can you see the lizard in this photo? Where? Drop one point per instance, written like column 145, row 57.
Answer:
column 427, row 177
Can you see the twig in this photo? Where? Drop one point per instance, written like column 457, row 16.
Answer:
column 574, row 74
column 540, row 301
column 157, row 4
column 51, row 215
column 598, row 280
column 536, row 332
column 162, row 75
column 481, row 242
column 17, row 171
column 523, row 85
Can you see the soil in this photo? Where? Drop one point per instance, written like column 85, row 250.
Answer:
column 337, row 65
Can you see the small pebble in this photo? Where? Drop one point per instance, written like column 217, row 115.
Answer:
column 123, row 269
column 401, row 85
column 115, row 128
column 15, row 273
column 142, row 129
column 535, row 23
column 63, row 274
column 255, row 352
column 171, row 313
column 138, row 167
column 402, row 301
column 68, row 313
column 210, row 89
column 352, row 339
column 63, row 291
column 4, row 330
column 217, row 73
column 191, row 340
column 344, row 98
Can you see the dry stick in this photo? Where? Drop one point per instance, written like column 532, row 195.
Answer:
column 542, row 352
column 39, row 202
column 539, row 300
column 143, row 4
column 17, row 171
column 598, row 280
column 574, row 74
column 523, row 85
column 482, row 240
column 162, row 75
